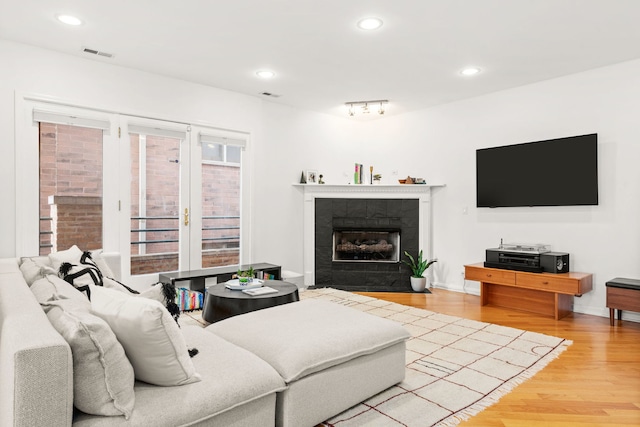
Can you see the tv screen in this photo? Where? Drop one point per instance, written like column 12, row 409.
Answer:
column 556, row 172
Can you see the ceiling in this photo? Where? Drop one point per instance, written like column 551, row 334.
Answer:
column 322, row 60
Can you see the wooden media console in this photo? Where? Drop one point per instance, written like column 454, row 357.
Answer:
column 547, row 294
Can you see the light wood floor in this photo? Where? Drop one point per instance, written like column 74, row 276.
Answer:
column 596, row 382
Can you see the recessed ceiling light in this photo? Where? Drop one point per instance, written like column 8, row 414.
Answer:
column 470, row 71
column 69, row 20
column 265, row 74
column 370, row 23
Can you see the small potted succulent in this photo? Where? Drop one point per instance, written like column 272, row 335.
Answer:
column 376, row 178
column 418, row 267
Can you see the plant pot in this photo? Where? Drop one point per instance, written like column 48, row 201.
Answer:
column 418, row 284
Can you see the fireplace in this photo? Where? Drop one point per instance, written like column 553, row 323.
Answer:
column 366, row 246
column 359, row 243
column 332, row 207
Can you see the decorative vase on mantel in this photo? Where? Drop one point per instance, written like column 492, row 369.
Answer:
column 418, row 284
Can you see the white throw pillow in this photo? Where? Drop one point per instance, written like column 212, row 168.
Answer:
column 53, row 287
column 151, row 338
column 33, row 269
column 97, row 257
column 71, row 255
column 103, row 378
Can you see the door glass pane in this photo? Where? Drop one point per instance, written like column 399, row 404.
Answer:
column 155, row 203
column 220, row 208
column 70, row 187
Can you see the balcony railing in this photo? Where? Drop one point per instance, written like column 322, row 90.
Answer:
column 45, row 236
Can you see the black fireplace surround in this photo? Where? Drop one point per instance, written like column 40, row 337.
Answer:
column 364, row 214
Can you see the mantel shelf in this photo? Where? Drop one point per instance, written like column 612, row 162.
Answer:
column 373, row 186
column 367, row 188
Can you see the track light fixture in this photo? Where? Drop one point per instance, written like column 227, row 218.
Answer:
column 364, row 107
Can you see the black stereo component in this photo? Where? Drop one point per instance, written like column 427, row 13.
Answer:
column 527, row 260
column 513, row 260
column 554, row 262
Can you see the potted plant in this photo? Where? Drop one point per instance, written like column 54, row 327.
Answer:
column 418, row 267
column 246, row 276
column 376, row 178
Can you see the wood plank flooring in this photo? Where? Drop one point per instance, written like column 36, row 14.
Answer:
column 596, row 382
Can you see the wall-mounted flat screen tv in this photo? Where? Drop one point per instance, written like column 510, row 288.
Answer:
column 556, row 172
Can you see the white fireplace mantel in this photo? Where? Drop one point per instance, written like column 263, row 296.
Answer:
column 311, row 192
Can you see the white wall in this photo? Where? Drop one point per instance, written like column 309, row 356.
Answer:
column 439, row 144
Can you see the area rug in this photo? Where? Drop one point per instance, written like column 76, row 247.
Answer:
column 455, row 367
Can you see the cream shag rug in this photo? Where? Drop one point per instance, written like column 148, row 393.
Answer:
column 455, row 367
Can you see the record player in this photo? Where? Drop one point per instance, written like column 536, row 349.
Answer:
column 534, row 258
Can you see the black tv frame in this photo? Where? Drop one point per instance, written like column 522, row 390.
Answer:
column 553, row 172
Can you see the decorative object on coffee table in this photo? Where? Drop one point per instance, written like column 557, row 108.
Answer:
column 418, row 268
column 245, row 276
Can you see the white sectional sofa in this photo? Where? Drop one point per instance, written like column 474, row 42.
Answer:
column 291, row 365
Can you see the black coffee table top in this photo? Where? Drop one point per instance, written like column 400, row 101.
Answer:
column 221, row 302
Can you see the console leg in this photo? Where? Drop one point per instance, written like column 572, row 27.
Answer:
column 611, row 315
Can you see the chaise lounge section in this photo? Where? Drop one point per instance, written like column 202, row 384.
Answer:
column 331, row 357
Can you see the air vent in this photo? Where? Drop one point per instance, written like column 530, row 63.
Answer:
column 97, row 52
column 272, row 95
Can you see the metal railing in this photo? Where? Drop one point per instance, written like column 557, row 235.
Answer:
column 230, row 238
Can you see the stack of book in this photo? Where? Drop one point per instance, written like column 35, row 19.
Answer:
column 358, row 174
column 266, row 276
column 189, row 300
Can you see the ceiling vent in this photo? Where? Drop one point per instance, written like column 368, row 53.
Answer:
column 97, row 52
column 272, row 95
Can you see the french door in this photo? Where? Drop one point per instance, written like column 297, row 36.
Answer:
column 165, row 195
column 184, row 197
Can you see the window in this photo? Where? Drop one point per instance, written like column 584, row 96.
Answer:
column 70, row 181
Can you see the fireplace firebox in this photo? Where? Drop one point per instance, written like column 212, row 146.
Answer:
column 366, row 245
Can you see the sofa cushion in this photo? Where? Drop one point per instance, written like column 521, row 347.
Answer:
column 152, row 340
column 103, row 378
column 290, row 346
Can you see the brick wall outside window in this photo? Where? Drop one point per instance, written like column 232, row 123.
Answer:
column 70, row 166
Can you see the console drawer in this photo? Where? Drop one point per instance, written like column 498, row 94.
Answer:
column 481, row 274
column 547, row 283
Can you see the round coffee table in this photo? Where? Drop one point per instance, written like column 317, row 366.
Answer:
column 220, row 302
